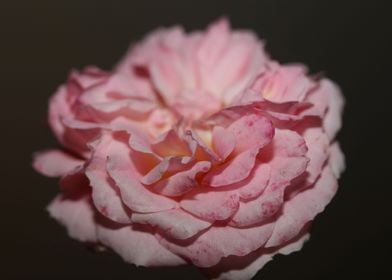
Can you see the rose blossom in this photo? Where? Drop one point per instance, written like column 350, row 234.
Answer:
column 197, row 148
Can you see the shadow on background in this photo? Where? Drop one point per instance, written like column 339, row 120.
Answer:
column 347, row 40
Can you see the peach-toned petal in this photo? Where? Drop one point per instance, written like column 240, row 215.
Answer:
column 223, row 142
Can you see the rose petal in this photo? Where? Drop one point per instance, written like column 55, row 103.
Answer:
column 211, row 205
column 105, row 194
column 182, row 182
column 302, row 208
column 223, row 142
column 233, row 171
column 336, row 159
column 76, row 215
column 135, row 195
column 136, row 246
column 255, row 184
column 251, row 131
column 175, row 223
column 55, row 163
column 333, row 119
column 259, row 210
column 245, row 268
column 218, row 242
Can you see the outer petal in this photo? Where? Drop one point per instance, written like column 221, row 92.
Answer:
column 211, row 205
column 55, row 163
column 336, row 159
column 318, row 145
column 104, row 193
column 218, row 242
column 333, row 119
column 175, row 223
column 136, row 246
column 302, row 208
column 246, row 267
column 76, row 215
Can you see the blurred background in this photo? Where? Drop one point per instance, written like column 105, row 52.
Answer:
column 349, row 41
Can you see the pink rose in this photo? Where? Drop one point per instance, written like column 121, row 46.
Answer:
column 196, row 149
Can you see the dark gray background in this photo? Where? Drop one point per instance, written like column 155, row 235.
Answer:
column 40, row 41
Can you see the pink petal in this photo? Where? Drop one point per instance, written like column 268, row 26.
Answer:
column 223, row 142
column 318, row 146
column 105, row 194
column 288, row 143
column 245, row 268
column 255, row 184
column 251, row 131
column 135, row 195
column 259, row 210
column 136, row 246
column 76, row 215
column 232, row 171
column 285, row 83
column 219, row 242
column 302, row 208
column 333, row 119
column 211, row 205
column 182, row 182
column 175, row 223
column 55, row 163
column 336, row 159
